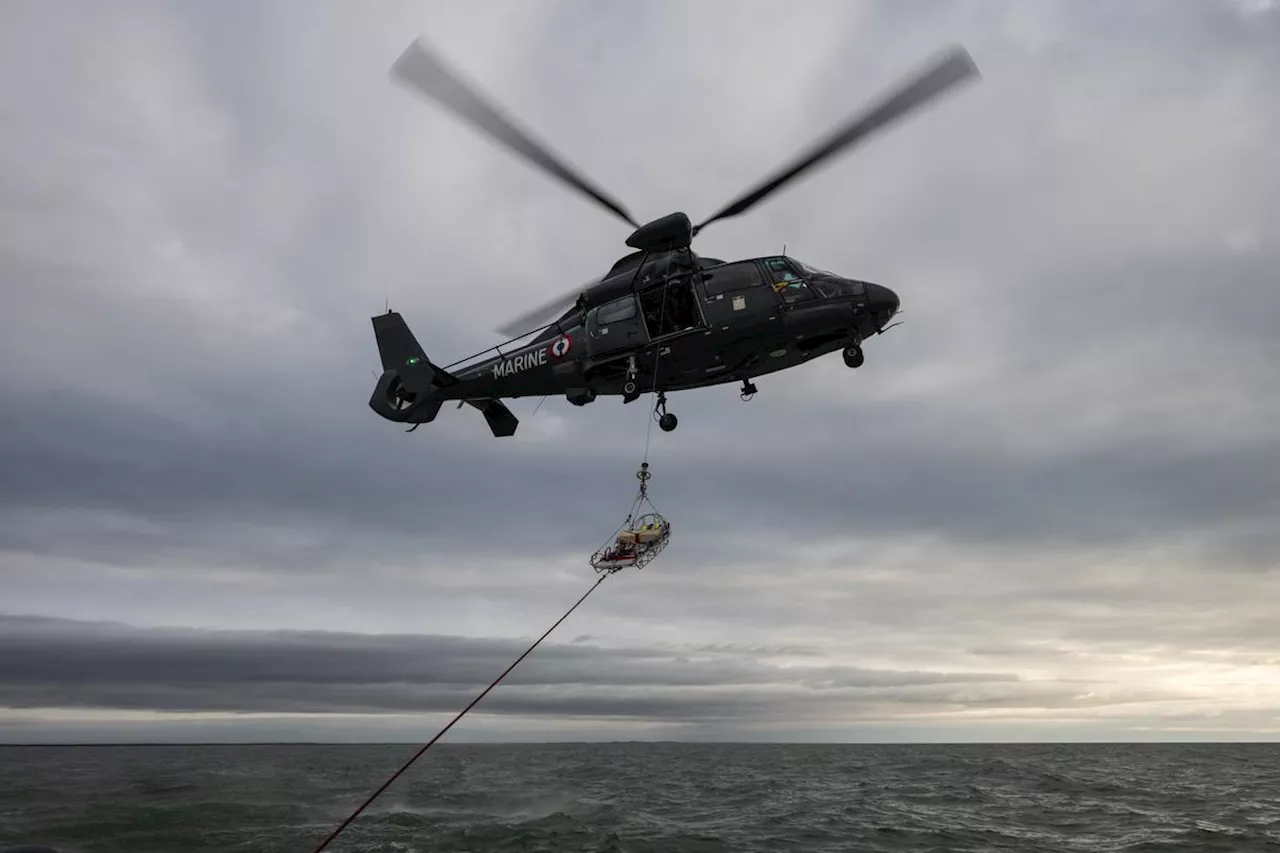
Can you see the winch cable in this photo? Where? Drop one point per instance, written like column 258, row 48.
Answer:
column 657, row 358
column 461, row 714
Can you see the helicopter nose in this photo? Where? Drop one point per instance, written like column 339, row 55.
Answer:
column 882, row 301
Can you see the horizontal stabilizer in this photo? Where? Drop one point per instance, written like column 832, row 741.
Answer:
column 502, row 422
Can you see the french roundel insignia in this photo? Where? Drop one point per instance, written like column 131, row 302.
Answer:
column 561, row 347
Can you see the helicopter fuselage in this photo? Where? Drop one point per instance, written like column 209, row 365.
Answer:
column 661, row 319
column 663, row 327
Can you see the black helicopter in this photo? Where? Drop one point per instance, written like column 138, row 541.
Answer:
column 663, row 318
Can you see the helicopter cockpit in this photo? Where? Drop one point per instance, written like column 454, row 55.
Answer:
column 786, row 281
column 795, row 281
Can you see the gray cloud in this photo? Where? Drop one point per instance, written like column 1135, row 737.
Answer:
column 1064, row 454
column 60, row 663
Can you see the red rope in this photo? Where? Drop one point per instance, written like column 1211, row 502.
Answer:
column 461, row 713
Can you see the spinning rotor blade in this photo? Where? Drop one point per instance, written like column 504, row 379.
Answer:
column 544, row 313
column 955, row 67
column 418, row 68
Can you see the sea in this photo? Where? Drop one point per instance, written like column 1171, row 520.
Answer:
column 644, row 797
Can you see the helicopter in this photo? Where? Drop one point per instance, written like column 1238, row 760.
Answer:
column 663, row 318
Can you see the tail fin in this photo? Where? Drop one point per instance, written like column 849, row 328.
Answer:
column 406, row 391
column 401, row 352
column 409, row 389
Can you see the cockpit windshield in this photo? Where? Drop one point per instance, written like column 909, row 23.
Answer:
column 810, row 269
column 827, row 283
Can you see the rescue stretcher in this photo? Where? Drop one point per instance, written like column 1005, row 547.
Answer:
column 639, row 539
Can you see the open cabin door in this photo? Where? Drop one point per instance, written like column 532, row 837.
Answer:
column 671, row 308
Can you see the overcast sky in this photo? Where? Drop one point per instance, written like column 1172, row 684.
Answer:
column 1046, row 507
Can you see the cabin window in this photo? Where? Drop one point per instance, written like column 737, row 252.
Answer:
column 729, row 277
column 619, row 309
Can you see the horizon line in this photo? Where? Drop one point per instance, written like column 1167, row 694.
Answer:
column 644, row 742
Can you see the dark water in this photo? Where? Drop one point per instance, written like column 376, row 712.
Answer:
column 628, row 798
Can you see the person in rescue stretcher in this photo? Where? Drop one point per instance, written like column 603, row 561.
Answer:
column 630, row 542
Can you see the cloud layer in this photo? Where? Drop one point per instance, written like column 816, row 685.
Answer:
column 55, row 663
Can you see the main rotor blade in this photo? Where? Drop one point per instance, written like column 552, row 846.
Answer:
column 419, row 68
column 544, row 313
column 946, row 72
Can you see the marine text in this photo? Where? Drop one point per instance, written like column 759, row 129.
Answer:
column 520, row 363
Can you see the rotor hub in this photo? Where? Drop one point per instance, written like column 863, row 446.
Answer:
column 665, row 234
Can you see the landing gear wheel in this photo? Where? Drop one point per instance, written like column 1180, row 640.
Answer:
column 853, row 356
column 666, row 420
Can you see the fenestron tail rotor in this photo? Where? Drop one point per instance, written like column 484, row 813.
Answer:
column 951, row 69
column 419, row 68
